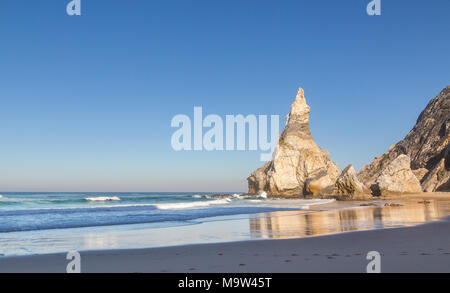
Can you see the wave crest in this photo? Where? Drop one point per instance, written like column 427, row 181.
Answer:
column 102, row 198
column 200, row 196
column 188, row 205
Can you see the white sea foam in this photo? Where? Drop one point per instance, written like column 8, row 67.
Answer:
column 313, row 202
column 103, row 198
column 1, row 196
column 188, row 205
column 263, row 194
column 322, row 201
column 200, row 196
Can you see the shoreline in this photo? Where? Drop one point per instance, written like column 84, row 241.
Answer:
column 408, row 210
column 289, row 241
column 320, row 219
column 421, row 248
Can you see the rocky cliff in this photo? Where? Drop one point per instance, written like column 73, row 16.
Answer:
column 427, row 146
column 397, row 178
column 348, row 185
column 299, row 165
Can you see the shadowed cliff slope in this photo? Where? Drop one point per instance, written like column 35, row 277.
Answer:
column 427, row 145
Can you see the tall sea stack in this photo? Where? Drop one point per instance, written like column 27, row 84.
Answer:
column 299, row 165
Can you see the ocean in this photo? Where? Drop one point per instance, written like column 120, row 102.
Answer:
column 36, row 222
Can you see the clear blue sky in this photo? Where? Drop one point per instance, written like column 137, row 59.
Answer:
column 86, row 102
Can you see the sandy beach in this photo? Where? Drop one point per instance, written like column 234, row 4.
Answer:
column 420, row 248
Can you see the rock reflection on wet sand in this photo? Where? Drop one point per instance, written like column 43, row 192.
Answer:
column 294, row 224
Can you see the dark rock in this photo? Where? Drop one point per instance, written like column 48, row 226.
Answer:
column 426, row 145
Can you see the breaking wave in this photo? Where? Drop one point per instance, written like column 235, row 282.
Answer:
column 103, row 198
column 200, row 196
column 189, row 205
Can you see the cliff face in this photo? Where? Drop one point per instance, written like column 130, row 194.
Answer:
column 397, row 178
column 427, row 145
column 299, row 166
column 348, row 184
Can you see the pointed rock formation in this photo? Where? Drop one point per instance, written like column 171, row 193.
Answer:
column 349, row 185
column 397, row 178
column 426, row 145
column 299, row 166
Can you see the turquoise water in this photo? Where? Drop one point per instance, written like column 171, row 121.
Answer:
column 42, row 211
column 53, row 222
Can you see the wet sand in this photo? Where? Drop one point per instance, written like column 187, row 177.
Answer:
column 424, row 248
column 417, row 248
